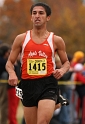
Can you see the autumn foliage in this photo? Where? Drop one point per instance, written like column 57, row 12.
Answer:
column 67, row 21
column 15, row 19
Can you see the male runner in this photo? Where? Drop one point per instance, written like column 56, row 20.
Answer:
column 38, row 73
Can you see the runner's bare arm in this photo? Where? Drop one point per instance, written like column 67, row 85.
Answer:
column 16, row 49
column 59, row 46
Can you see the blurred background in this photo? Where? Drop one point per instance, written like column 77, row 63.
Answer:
column 67, row 21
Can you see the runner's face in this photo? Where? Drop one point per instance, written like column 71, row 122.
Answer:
column 39, row 16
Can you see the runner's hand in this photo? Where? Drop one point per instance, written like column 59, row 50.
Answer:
column 13, row 80
column 58, row 73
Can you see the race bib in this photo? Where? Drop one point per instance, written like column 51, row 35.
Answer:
column 18, row 92
column 37, row 66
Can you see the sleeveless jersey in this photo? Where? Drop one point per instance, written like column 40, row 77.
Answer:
column 37, row 60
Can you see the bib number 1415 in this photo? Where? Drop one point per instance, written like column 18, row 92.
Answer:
column 36, row 66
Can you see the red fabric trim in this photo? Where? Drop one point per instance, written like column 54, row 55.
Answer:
column 80, row 77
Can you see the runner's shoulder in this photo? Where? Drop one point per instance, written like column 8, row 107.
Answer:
column 58, row 39
column 21, row 36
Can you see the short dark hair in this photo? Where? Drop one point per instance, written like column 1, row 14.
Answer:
column 4, row 48
column 44, row 5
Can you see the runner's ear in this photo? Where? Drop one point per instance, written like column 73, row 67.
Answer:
column 31, row 19
column 48, row 18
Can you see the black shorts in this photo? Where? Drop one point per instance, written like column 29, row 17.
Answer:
column 38, row 89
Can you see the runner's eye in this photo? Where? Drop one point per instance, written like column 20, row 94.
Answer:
column 34, row 13
column 41, row 12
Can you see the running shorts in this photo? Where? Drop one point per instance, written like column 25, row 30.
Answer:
column 34, row 90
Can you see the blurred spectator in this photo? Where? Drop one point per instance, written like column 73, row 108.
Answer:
column 80, row 77
column 57, row 61
column 78, row 57
column 13, row 100
column 66, row 91
column 4, row 53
